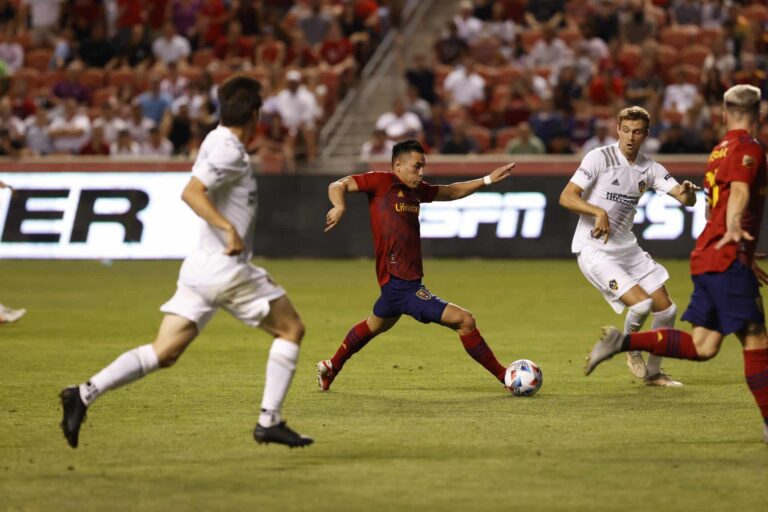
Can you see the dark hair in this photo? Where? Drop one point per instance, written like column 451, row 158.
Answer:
column 239, row 97
column 406, row 146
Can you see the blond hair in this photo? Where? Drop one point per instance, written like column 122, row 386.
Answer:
column 635, row 114
column 742, row 98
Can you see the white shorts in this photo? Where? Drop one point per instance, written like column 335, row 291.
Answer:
column 246, row 297
column 615, row 274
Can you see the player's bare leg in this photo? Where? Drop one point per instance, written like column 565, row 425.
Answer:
column 462, row 321
column 173, row 337
column 754, row 341
column 284, row 323
column 354, row 341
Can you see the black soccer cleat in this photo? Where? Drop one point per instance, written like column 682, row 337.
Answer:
column 280, row 434
column 74, row 414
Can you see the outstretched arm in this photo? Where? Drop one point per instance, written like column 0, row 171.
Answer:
column 685, row 192
column 195, row 195
column 570, row 198
column 336, row 193
column 465, row 188
column 737, row 203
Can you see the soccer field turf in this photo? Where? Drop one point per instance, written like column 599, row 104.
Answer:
column 412, row 423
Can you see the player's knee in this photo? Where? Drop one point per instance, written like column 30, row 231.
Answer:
column 467, row 323
column 294, row 331
column 643, row 308
column 707, row 352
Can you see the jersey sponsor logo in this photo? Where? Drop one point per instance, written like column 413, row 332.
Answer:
column 641, row 186
column 622, row 198
column 408, row 208
column 585, row 172
column 613, row 285
column 514, row 214
column 717, row 154
column 423, row 294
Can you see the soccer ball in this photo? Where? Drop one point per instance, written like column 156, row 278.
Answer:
column 523, row 378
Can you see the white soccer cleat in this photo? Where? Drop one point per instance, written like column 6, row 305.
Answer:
column 608, row 346
column 636, row 364
column 663, row 380
column 8, row 315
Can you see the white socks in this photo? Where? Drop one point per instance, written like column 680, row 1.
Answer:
column 662, row 319
column 280, row 367
column 636, row 316
column 130, row 366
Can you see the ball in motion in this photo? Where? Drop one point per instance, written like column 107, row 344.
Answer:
column 523, row 378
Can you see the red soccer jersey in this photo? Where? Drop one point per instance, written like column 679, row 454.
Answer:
column 738, row 157
column 395, row 223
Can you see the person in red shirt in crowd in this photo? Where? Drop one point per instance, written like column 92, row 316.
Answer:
column 299, row 54
column 233, row 48
column 338, row 55
column 98, row 144
column 394, row 200
column 212, row 18
column 606, row 87
column 129, row 13
column 271, row 51
column 726, row 281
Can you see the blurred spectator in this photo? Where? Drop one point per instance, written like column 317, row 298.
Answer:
column 70, row 86
column 676, row 140
column 463, row 85
column 467, row 26
column 170, row 46
column 418, row 106
column 11, row 52
column 97, row 51
column 499, row 26
column 109, row 122
column 136, row 54
column 525, row 142
column 37, row 140
column 250, row 14
column 184, row 17
column 8, row 11
column 354, row 28
column 450, row 48
column 637, row 27
column 377, row 145
column 607, row 87
column 22, row 104
column 541, row 13
column 680, row 95
column 458, row 142
column 436, row 128
column 137, row 124
column 43, row 19
column 124, row 146
column 713, row 85
column 70, row 129
column 550, row 51
column 63, row 49
column 560, row 143
column 180, row 132
column 645, row 89
column 274, row 139
column 233, row 47
column 154, row 102
column 7, row 146
column 271, row 51
column 686, row 12
column 750, row 73
column 713, row 14
column 9, row 122
column 212, row 18
column 299, row 54
column 316, row 25
column 697, row 116
column 605, row 20
column 567, row 90
column 156, row 145
column 399, row 124
column 337, row 55
column 299, row 112
column 547, row 122
column 173, row 84
column 720, row 58
column 129, row 14
column 602, row 137
column 422, row 76
column 97, row 145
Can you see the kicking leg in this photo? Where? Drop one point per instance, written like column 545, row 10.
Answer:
column 284, row 323
column 174, row 335
column 755, row 343
column 354, row 341
column 462, row 321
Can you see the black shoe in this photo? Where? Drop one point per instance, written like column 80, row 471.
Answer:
column 74, row 414
column 280, row 434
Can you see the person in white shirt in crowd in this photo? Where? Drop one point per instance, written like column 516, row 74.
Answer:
column 11, row 52
column 463, row 85
column 550, row 51
column 500, row 26
column 173, row 83
column 70, row 129
column 299, row 110
column 680, row 95
column 44, row 17
column 170, row 46
column 157, row 145
column 124, row 145
column 138, row 124
column 469, row 28
column 377, row 145
column 602, row 136
column 110, row 122
column 10, row 122
column 399, row 124
column 37, row 141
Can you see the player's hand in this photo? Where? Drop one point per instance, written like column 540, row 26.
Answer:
column 333, row 217
column 501, row 173
column 235, row 244
column 733, row 236
column 689, row 187
column 602, row 227
column 760, row 274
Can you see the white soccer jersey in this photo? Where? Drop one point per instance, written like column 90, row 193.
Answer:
column 611, row 183
column 224, row 167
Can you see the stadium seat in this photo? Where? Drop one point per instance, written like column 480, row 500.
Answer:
column 24, row 40
column 529, row 38
column 503, row 136
column 709, row 35
column 93, row 78
column 221, row 74
column 489, row 73
column 570, row 35
column 508, row 74
column 102, row 94
column 29, row 75
column 481, row 136
column 202, row 57
column 484, row 51
column 38, row 59
column 629, row 56
column 667, row 56
column 694, row 55
column 757, row 12
column 50, row 78
column 677, row 36
column 191, row 73
column 120, row 77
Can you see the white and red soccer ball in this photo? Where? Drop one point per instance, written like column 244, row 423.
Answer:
column 523, row 378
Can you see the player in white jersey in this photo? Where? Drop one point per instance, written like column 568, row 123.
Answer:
column 604, row 191
column 222, row 192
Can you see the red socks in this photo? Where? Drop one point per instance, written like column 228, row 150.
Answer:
column 479, row 350
column 663, row 342
column 756, row 372
column 356, row 339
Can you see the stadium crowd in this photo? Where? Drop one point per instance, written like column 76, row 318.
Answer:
column 548, row 76
column 139, row 77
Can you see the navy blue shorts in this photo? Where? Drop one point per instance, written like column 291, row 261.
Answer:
column 400, row 297
column 725, row 301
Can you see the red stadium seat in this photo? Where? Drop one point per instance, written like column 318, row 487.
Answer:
column 709, row 35
column 481, row 136
column 119, row 77
column 202, row 57
column 508, row 74
column 102, row 94
column 93, row 78
column 694, row 55
column 50, row 78
column 38, row 59
column 221, row 74
column 191, row 73
column 677, row 36
column 30, row 76
column 667, row 56
column 757, row 12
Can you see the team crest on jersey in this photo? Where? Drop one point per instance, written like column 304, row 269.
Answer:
column 747, row 161
column 641, row 186
column 613, row 285
column 423, row 294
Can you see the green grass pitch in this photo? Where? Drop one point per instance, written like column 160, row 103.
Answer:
column 411, row 424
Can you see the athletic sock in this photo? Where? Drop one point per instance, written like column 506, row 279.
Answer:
column 128, row 367
column 280, row 368
column 756, row 372
column 662, row 342
column 479, row 350
column 355, row 340
column 636, row 316
column 661, row 319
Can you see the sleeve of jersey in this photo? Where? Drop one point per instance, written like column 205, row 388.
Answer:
column 427, row 192
column 745, row 163
column 370, row 182
column 587, row 172
column 663, row 182
column 223, row 164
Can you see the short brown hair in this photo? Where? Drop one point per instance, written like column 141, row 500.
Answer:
column 239, row 97
column 635, row 114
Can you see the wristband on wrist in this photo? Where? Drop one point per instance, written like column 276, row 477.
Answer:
column 487, row 180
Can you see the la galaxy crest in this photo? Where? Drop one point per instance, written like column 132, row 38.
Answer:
column 613, row 285
column 641, row 186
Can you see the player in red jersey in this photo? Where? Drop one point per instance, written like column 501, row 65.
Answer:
column 726, row 296
column 393, row 200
